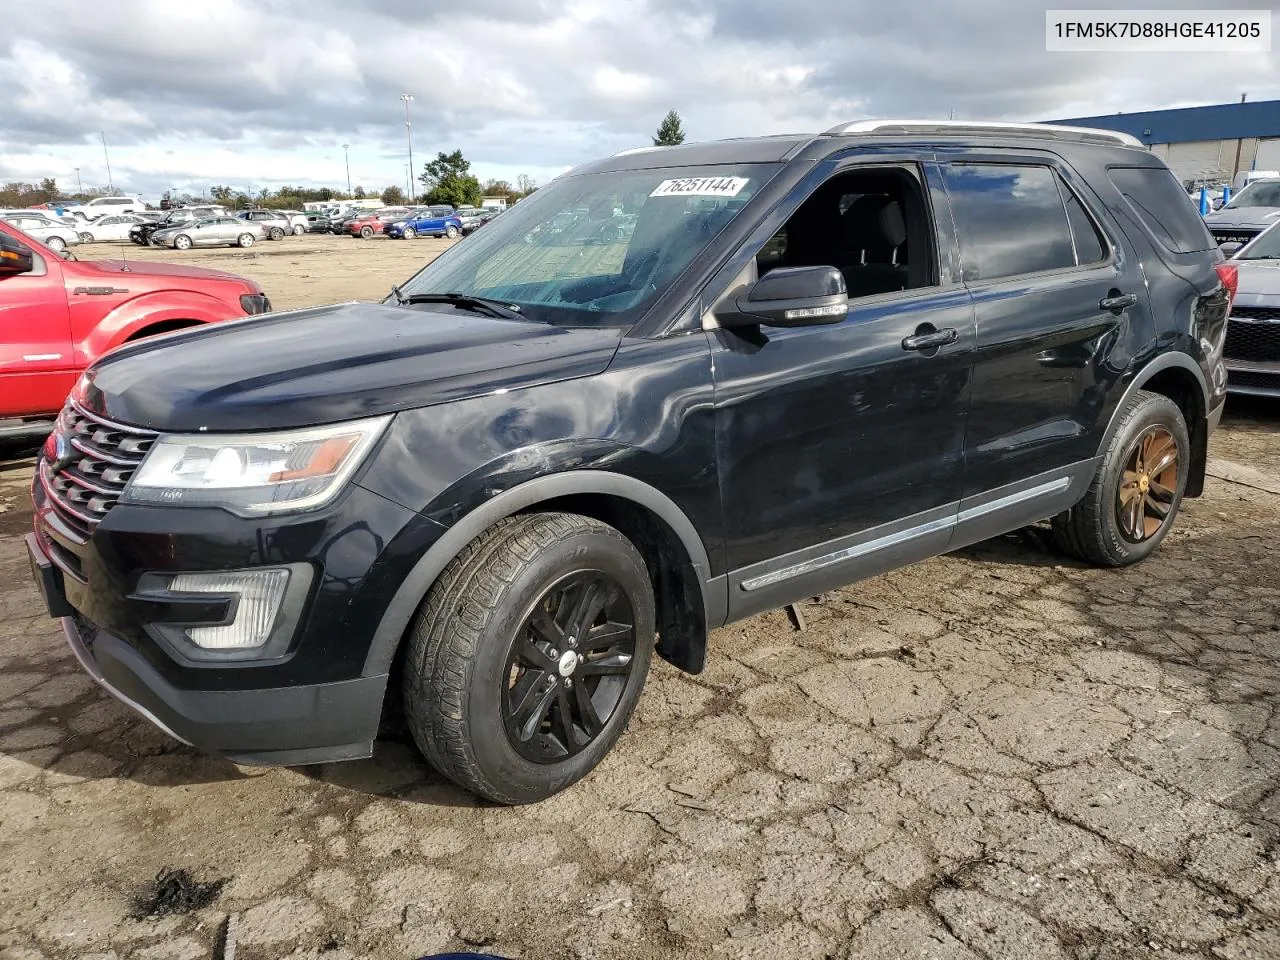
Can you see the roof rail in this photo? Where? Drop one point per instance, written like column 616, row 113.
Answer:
column 1039, row 130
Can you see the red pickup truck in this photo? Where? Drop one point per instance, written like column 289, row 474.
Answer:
column 58, row 315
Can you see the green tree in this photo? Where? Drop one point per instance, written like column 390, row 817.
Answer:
column 358, row 193
column 393, row 196
column 222, row 194
column 448, row 179
column 670, row 131
column 49, row 187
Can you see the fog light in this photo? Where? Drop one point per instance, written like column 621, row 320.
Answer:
column 258, row 595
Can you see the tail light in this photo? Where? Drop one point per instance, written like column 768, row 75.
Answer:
column 1230, row 278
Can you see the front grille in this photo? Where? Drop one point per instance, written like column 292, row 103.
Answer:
column 1233, row 234
column 101, row 458
column 1258, row 342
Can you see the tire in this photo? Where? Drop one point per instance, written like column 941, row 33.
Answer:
column 451, row 232
column 461, row 666
column 276, row 233
column 409, row 233
column 182, row 242
column 86, row 237
column 56, row 244
column 366, row 232
column 245, row 240
column 299, row 230
column 1098, row 529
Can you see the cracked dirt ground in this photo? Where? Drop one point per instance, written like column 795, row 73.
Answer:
column 992, row 754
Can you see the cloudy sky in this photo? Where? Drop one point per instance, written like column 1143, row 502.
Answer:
column 256, row 93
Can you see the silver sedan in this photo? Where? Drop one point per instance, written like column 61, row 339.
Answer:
column 210, row 232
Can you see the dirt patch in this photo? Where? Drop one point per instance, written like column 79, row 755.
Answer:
column 174, row 892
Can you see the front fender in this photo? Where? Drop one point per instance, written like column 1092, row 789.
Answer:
column 134, row 315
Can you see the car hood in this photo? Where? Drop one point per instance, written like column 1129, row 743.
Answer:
column 1259, row 282
column 1243, row 217
column 334, row 363
column 121, row 271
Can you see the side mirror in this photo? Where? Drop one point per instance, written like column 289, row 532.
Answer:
column 15, row 257
column 1230, row 248
column 791, row 297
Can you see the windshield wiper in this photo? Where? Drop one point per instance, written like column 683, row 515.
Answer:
column 464, row 301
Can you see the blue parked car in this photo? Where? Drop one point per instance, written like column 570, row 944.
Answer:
column 440, row 221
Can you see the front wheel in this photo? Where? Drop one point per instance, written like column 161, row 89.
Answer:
column 86, row 238
column 56, row 244
column 451, row 232
column 299, row 229
column 409, row 233
column 529, row 654
column 245, row 240
column 182, row 242
column 1135, row 495
column 366, row 232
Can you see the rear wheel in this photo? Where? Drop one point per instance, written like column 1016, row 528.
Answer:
column 529, row 655
column 366, row 232
column 86, row 237
column 1137, row 491
column 299, row 229
column 245, row 240
column 56, row 244
column 182, row 242
column 276, row 233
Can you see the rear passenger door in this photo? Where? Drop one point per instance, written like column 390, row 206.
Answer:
column 1053, row 294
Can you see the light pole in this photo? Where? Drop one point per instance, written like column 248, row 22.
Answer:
column 347, row 160
column 110, row 184
column 79, row 185
column 408, row 130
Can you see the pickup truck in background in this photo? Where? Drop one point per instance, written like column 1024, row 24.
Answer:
column 57, row 316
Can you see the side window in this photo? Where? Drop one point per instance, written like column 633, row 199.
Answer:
column 1160, row 204
column 870, row 223
column 1090, row 247
column 1010, row 218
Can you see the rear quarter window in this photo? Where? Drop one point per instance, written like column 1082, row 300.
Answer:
column 1160, row 204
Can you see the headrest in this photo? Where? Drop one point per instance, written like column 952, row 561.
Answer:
column 874, row 222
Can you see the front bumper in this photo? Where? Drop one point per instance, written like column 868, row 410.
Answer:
column 313, row 700
column 297, row 724
column 1253, row 379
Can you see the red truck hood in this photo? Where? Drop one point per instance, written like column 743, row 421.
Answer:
column 140, row 269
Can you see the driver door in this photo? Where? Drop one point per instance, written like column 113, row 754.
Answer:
column 37, row 363
column 840, row 447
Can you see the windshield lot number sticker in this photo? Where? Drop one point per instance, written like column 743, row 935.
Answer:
column 701, row 187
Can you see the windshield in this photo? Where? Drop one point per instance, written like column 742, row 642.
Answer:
column 1265, row 246
column 1261, row 193
column 597, row 249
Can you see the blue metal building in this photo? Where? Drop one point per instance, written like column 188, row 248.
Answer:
column 1204, row 143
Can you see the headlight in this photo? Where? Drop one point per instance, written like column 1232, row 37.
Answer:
column 254, row 474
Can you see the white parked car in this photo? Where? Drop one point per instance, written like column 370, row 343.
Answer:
column 299, row 221
column 53, row 234
column 110, row 227
column 102, row 206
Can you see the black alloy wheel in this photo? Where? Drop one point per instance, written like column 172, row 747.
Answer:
column 568, row 667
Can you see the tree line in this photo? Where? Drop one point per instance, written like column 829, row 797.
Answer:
column 446, row 179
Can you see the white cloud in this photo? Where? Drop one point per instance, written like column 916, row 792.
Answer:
column 267, row 91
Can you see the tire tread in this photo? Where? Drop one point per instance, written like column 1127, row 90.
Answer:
column 452, row 625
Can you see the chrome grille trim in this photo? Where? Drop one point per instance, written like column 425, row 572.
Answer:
column 85, row 487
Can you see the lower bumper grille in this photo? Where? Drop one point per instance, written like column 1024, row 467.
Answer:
column 1256, row 340
column 1233, row 234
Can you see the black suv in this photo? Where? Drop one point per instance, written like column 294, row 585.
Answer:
column 671, row 389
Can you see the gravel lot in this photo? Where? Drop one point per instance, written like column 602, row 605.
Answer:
column 992, row 754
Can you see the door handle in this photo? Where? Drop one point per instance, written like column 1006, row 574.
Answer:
column 931, row 341
column 1118, row 302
